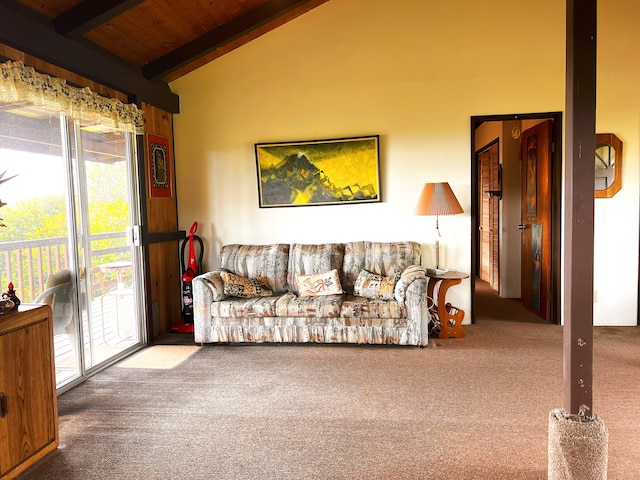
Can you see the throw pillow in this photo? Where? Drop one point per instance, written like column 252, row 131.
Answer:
column 237, row 286
column 370, row 285
column 327, row 283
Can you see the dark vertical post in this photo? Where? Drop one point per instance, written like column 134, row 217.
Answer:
column 580, row 155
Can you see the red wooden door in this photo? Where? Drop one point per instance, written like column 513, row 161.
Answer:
column 535, row 158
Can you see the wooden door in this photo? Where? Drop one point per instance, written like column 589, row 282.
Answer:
column 535, row 227
column 488, row 216
column 28, row 414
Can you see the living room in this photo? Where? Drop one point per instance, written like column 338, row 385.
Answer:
column 413, row 73
column 419, row 100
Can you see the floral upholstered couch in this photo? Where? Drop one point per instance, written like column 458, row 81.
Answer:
column 356, row 292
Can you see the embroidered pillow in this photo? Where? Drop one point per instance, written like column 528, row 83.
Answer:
column 370, row 285
column 319, row 284
column 237, row 286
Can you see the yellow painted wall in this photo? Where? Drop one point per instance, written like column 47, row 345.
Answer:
column 413, row 72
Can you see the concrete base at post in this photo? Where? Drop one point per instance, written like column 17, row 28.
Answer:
column 578, row 450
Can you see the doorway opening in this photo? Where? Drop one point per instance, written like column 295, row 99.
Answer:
column 516, row 197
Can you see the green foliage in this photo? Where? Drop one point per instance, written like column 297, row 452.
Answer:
column 109, row 217
column 46, row 218
column 35, row 218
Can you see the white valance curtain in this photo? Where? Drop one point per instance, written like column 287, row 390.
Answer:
column 19, row 83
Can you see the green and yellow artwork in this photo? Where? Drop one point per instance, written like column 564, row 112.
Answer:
column 320, row 172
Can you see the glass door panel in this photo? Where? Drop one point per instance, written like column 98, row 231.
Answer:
column 36, row 251
column 105, row 216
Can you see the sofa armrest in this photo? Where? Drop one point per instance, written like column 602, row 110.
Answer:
column 214, row 282
column 408, row 276
column 411, row 289
column 206, row 288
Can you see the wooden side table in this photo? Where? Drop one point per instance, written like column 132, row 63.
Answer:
column 450, row 317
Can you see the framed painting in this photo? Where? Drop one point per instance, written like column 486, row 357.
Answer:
column 159, row 166
column 319, row 172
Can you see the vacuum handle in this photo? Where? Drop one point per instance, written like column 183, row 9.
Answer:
column 200, row 255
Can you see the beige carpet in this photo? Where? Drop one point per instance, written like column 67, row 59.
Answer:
column 161, row 357
column 471, row 408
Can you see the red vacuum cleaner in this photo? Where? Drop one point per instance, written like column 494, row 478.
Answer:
column 185, row 325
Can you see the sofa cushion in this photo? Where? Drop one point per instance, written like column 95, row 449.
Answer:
column 253, row 307
column 372, row 322
column 319, row 284
column 312, row 259
column 237, row 286
column 380, row 258
column 253, row 261
column 369, row 285
column 360, row 307
column 290, row 305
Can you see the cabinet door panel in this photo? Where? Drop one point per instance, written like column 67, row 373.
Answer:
column 29, row 423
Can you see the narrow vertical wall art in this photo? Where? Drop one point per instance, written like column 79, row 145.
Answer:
column 159, row 166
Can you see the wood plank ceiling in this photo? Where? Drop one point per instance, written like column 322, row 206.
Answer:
column 138, row 46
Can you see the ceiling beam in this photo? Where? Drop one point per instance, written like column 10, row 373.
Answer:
column 35, row 38
column 90, row 14
column 218, row 37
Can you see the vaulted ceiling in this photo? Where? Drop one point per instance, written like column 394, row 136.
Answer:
column 138, row 46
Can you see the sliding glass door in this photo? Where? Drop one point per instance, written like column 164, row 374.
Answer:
column 71, row 219
column 108, row 261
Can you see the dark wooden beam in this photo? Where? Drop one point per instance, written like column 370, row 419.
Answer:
column 160, row 237
column 219, row 37
column 28, row 35
column 89, row 14
column 579, row 195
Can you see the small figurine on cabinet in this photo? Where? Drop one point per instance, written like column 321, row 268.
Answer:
column 11, row 293
column 9, row 300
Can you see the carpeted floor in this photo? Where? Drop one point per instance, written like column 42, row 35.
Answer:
column 471, row 408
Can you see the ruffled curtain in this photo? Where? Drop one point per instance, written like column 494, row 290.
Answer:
column 19, row 83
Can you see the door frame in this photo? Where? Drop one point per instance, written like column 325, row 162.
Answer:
column 556, row 204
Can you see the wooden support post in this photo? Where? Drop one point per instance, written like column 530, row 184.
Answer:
column 579, row 189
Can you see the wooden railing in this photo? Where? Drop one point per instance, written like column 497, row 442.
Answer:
column 28, row 263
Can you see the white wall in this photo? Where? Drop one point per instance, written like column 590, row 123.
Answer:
column 618, row 111
column 414, row 73
column 511, row 213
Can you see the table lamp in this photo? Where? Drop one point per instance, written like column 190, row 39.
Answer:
column 438, row 199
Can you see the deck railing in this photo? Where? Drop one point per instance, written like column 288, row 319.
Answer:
column 28, row 263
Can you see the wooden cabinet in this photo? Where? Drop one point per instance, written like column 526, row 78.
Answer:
column 28, row 402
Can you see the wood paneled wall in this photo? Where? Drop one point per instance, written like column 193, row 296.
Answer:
column 162, row 216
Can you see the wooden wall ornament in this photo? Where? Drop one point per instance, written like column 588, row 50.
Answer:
column 608, row 165
column 159, row 166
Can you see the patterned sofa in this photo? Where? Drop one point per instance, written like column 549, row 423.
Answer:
column 356, row 292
